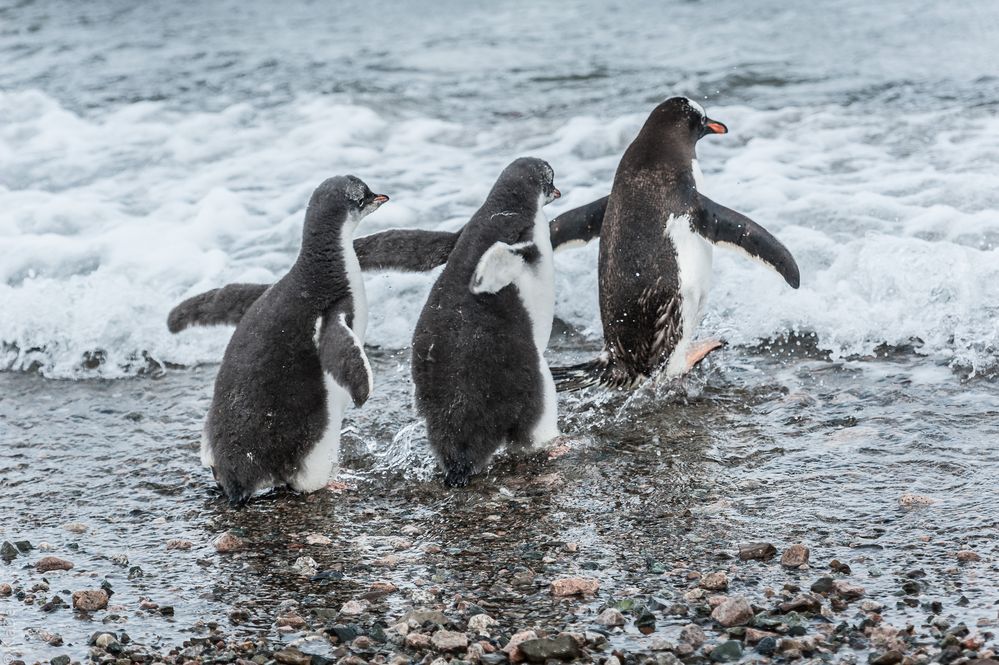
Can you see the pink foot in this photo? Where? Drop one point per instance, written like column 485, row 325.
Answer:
column 560, row 446
column 698, row 351
column 338, row 487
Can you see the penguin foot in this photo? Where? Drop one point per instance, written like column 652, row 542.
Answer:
column 338, row 487
column 458, row 474
column 698, row 351
column 560, row 446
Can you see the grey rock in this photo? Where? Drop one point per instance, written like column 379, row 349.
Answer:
column 727, row 652
column 449, row 640
column 344, row 633
column 847, row 590
column 421, row 616
column 480, row 624
column 760, row 551
column 100, row 635
column 822, row 585
column 8, row 551
column 693, row 635
column 667, row 659
column 611, row 617
column 767, row 646
column 733, row 612
column 563, row 647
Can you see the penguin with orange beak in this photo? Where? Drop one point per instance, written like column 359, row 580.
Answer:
column 656, row 244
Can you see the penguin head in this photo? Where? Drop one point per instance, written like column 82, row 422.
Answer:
column 683, row 117
column 538, row 173
column 345, row 194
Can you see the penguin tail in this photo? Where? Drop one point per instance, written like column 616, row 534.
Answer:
column 576, row 377
column 602, row 370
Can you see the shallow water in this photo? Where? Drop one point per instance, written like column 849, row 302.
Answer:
column 150, row 152
column 157, row 151
column 760, row 447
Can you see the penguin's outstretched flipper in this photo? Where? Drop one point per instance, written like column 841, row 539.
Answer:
column 405, row 250
column 725, row 227
column 341, row 354
column 218, row 307
column 578, row 226
column 502, row 264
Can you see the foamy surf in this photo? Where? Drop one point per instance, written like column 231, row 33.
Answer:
column 112, row 218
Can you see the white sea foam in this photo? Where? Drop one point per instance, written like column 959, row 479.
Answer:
column 108, row 220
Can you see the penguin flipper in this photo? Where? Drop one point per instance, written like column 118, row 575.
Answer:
column 218, row 307
column 501, row 264
column 341, row 354
column 406, row 250
column 723, row 226
column 578, row 226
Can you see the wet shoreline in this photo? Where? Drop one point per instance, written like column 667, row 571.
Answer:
column 657, row 493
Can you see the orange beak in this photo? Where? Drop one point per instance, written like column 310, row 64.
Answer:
column 715, row 127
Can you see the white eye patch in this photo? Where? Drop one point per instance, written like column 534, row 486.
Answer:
column 694, row 105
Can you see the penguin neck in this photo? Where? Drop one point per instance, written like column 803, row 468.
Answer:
column 319, row 269
column 512, row 197
column 510, row 208
column 658, row 149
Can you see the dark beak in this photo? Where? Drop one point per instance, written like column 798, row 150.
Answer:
column 381, row 198
column 555, row 193
column 714, row 127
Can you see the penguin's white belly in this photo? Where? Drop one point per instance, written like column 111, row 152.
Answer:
column 207, row 456
column 320, row 464
column 693, row 260
column 356, row 282
column 536, row 287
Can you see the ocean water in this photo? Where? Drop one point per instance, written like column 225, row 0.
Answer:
column 150, row 151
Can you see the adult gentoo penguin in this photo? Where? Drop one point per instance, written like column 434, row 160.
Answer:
column 655, row 253
column 478, row 351
column 296, row 359
column 407, row 250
